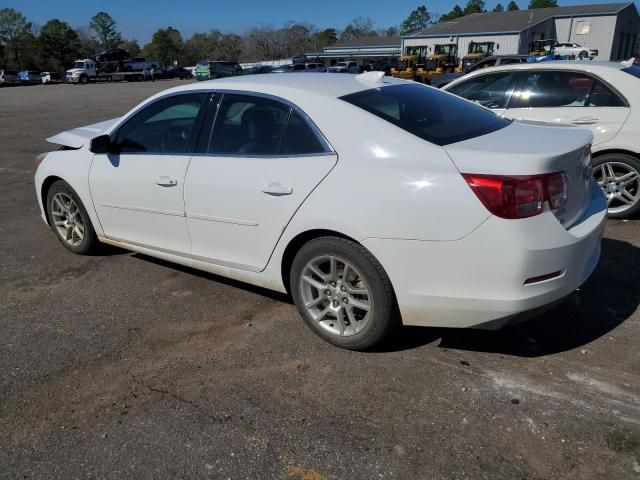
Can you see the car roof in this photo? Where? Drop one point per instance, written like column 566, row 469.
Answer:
column 584, row 65
column 293, row 84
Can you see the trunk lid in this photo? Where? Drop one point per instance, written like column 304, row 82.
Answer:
column 521, row 149
column 80, row 136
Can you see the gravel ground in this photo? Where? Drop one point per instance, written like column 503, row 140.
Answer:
column 122, row 366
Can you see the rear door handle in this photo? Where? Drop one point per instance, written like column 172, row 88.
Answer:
column 165, row 181
column 277, row 189
column 585, row 121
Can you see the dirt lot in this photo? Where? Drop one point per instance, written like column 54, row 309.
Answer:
column 119, row 365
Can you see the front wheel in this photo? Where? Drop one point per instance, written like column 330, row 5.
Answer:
column 343, row 293
column 69, row 219
column 583, row 55
column 619, row 178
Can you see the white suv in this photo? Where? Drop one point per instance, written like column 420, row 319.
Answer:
column 601, row 96
column 569, row 49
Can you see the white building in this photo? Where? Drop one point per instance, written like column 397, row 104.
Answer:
column 613, row 29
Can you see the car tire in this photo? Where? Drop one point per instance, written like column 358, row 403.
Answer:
column 623, row 196
column 356, row 311
column 583, row 55
column 84, row 79
column 69, row 219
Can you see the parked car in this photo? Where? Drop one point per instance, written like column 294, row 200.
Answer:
column 257, row 69
column 492, row 61
column 345, row 67
column 315, row 67
column 30, row 77
column 572, row 49
column 290, row 67
column 111, row 55
column 51, row 77
column 260, row 179
column 138, row 64
column 601, row 96
column 207, row 70
column 9, row 77
column 177, row 72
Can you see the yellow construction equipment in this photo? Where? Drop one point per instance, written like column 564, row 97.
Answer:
column 476, row 52
column 406, row 67
column 542, row 48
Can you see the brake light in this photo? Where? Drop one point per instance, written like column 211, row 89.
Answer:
column 40, row 158
column 519, row 196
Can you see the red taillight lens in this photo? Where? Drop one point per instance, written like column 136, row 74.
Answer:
column 519, row 196
column 40, row 158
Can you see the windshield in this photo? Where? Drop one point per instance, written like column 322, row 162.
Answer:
column 635, row 71
column 78, row 65
column 443, row 49
column 341, row 64
column 10, row 72
column 428, row 113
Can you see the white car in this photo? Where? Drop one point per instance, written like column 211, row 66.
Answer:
column 601, row 96
column 370, row 199
column 568, row 49
column 345, row 67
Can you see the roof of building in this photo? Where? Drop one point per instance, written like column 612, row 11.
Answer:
column 368, row 42
column 515, row 21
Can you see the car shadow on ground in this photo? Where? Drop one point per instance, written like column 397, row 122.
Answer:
column 606, row 300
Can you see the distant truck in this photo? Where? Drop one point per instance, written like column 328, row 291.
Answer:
column 88, row 70
column 207, row 70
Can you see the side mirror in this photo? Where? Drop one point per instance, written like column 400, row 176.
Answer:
column 101, row 144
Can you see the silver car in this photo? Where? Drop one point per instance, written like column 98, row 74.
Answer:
column 9, row 77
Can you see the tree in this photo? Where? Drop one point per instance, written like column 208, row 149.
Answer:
column 230, row 47
column 389, row 32
column 105, row 28
column 498, row 8
column 60, row 43
column 417, row 20
column 324, row 38
column 14, row 31
column 542, row 4
column 165, row 46
column 474, row 6
column 359, row 28
column 512, row 6
column 130, row 46
column 456, row 12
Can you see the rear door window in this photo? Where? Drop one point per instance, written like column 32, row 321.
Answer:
column 491, row 91
column 428, row 113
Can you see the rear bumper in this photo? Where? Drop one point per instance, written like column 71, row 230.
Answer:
column 479, row 281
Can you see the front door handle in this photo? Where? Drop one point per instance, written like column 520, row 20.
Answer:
column 585, row 121
column 165, row 181
column 277, row 189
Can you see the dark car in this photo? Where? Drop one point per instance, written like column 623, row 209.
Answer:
column 257, row 69
column 177, row 72
column 208, row 70
column 492, row 61
column 112, row 55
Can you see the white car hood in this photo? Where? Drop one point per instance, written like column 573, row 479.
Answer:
column 78, row 137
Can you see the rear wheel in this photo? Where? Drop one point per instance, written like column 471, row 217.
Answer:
column 84, row 79
column 583, row 55
column 69, row 219
column 343, row 293
column 619, row 178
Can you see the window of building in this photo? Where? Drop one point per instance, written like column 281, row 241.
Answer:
column 583, row 27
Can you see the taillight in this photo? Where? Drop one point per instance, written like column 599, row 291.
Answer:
column 519, row 196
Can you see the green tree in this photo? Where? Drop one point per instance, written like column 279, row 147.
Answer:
column 417, row 20
column 359, row 28
column 165, row 46
column 324, row 38
column 512, row 6
column 230, row 47
column 542, row 4
column 498, row 8
column 389, row 32
column 456, row 12
column 474, row 6
column 14, row 32
column 106, row 29
column 131, row 46
column 60, row 43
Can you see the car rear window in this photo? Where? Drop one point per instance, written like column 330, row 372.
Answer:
column 428, row 113
column 635, row 71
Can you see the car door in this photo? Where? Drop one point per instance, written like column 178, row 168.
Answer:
column 571, row 98
column 138, row 192
column 261, row 160
column 491, row 90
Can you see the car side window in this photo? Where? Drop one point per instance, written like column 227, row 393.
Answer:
column 491, row 90
column 550, row 89
column 299, row 138
column 248, row 125
column 165, row 126
column 603, row 96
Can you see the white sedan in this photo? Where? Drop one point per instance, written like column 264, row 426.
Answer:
column 601, row 96
column 372, row 200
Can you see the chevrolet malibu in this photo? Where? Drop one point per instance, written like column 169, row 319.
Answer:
column 371, row 200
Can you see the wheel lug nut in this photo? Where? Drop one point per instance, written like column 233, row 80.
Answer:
column 343, row 288
column 333, row 284
column 327, row 293
column 335, row 303
column 345, row 300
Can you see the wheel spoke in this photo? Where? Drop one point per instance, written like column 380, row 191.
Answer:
column 316, row 301
column 626, row 197
column 345, row 272
column 352, row 318
column 313, row 282
column 357, row 291
column 78, row 232
column 59, row 204
column 318, row 273
column 340, row 319
column 610, row 173
column 333, row 268
column 360, row 304
column 629, row 177
column 320, row 316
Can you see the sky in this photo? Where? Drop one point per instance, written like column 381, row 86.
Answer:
column 138, row 19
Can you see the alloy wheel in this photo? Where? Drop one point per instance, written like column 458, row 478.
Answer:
column 336, row 295
column 620, row 183
column 67, row 219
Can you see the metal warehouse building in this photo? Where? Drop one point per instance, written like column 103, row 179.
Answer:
column 613, row 29
column 361, row 50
